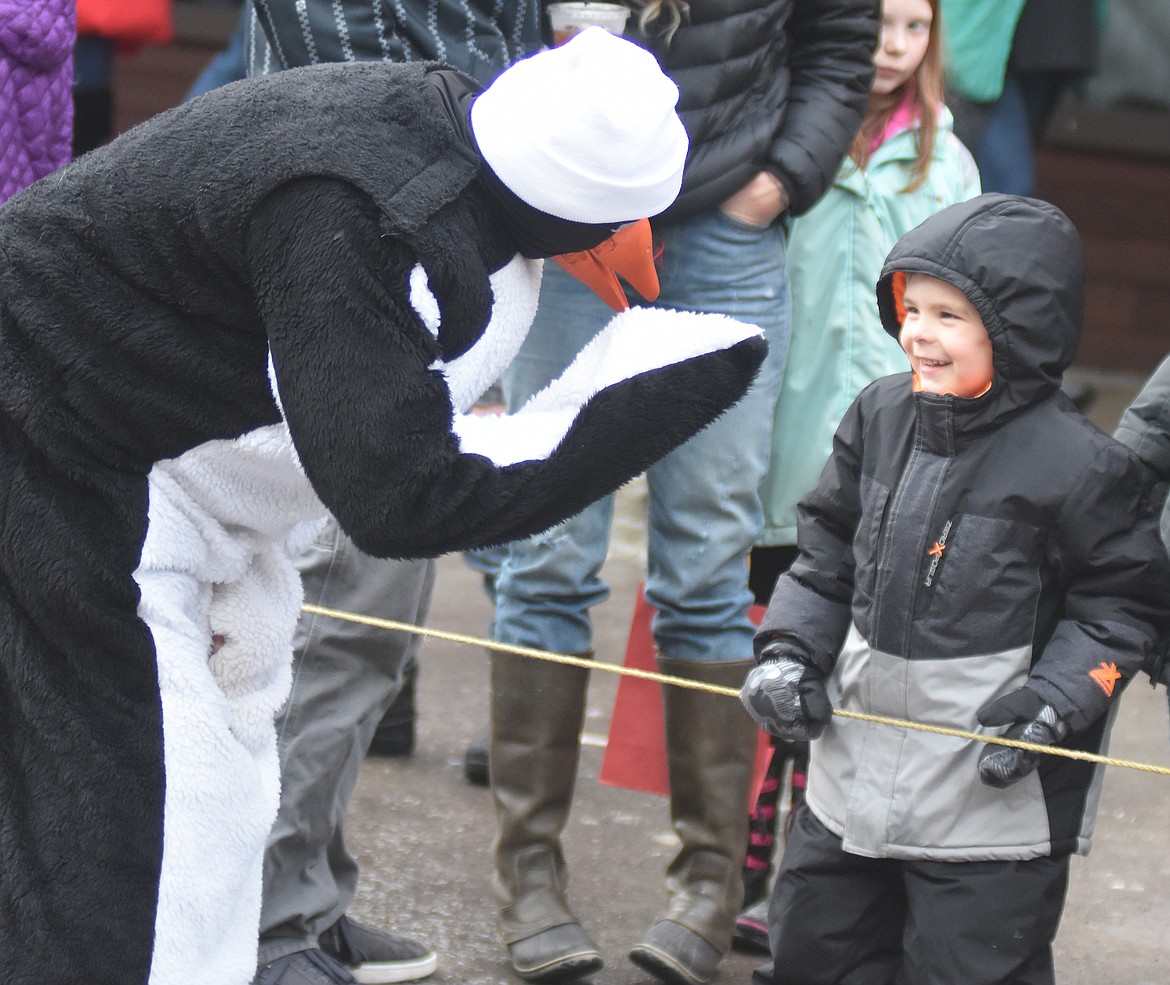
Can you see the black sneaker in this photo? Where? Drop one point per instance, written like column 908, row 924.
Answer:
column 311, row 967
column 751, row 929
column 376, row 957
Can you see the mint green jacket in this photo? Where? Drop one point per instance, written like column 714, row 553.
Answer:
column 977, row 43
column 838, row 346
column 977, row 40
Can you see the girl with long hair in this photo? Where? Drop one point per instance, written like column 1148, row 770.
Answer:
column 904, row 165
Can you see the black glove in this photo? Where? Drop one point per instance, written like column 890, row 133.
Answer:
column 1031, row 719
column 787, row 697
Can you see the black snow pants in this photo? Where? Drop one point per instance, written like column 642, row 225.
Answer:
column 842, row 919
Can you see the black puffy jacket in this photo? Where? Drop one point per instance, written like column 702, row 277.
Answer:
column 776, row 85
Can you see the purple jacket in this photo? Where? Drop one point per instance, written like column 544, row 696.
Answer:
column 36, row 81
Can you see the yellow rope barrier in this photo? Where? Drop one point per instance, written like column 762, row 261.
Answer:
column 564, row 658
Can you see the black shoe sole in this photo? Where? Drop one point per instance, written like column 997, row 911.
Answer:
column 567, row 970
column 649, row 961
column 750, row 942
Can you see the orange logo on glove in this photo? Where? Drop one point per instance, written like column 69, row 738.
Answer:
column 1106, row 676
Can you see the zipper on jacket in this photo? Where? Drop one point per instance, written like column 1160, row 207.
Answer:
column 912, row 476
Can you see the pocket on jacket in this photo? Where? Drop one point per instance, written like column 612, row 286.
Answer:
column 984, row 588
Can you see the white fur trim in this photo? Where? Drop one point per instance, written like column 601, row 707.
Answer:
column 515, row 292
column 422, row 300
column 639, row 340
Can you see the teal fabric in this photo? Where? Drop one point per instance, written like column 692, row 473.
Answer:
column 838, row 346
column 977, row 40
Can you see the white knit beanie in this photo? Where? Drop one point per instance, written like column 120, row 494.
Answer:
column 586, row 131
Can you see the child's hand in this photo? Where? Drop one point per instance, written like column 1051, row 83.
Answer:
column 787, row 698
column 1031, row 719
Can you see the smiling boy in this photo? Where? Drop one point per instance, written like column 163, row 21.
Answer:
column 976, row 555
column 943, row 335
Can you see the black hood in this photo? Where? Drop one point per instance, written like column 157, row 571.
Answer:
column 1019, row 262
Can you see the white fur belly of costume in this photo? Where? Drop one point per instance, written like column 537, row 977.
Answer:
column 515, row 293
column 224, row 522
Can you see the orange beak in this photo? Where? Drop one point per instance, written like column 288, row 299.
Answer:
column 629, row 252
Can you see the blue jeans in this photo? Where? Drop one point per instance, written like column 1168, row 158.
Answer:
column 93, row 61
column 1004, row 155
column 704, row 510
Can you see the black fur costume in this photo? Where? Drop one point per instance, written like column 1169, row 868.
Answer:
column 142, row 290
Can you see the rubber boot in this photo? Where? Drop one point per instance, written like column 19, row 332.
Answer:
column 710, row 744
column 537, row 710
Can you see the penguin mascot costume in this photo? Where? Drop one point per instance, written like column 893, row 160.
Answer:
column 278, row 300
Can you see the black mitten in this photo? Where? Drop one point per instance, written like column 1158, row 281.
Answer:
column 787, row 697
column 1031, row 719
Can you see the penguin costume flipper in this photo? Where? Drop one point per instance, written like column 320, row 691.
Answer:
column 419, row 481
column 485, row 480
column 645, row 384
column 371, row 407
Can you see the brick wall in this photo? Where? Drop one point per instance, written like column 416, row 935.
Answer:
column 1121, row 205
column 158, row 76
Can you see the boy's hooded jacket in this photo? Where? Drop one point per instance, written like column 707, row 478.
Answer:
column 146, row 293
column 956, row 548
